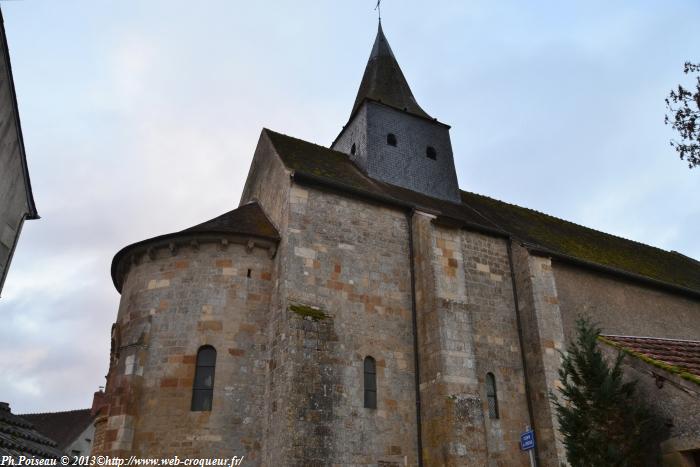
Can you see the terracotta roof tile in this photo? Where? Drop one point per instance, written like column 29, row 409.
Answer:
column 683, row 355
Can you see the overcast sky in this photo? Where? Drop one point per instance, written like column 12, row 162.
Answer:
column 140, row 118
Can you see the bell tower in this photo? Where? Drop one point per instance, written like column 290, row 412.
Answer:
column 391, row 137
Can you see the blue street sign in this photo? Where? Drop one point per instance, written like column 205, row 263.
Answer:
column 527, row 440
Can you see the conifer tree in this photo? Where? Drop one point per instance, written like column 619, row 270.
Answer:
column 601, row 420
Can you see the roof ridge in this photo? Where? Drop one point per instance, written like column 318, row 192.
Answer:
column 463, row 203
column 655, row 338
column 52, row 413
column 551, row 235
column 308, row 142
column 339, row 153
column 581, row 225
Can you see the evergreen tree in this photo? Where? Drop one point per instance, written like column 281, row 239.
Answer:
column 601, row 420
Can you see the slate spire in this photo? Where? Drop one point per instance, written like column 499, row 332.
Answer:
column 384, row 81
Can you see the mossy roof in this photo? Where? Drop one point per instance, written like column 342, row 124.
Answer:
column 590, row 245
column 541, row 231
column 674, row 355
column 249, row 219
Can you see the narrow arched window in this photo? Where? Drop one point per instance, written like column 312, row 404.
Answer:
column 353, row 149
column 431, row 153
column 491, row 395
column 370, row 383
column 391, row 139
column 203, row 387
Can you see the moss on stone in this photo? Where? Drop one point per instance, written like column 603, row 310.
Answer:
column 676, row 370
column 308, row 312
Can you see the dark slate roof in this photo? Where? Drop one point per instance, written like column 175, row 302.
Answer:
column 678, row 356
column 566, row 238
column 540, row 232
column 383, row 80
column 246, row 220
column 19, row 438
column 8, row 79
column 62, row 427
column 249, row 219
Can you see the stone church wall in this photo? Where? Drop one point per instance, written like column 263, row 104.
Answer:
column 171, row 305
column 491, row 304
column 346, row 296
column 268, row 182
column 543, row 338
column 467, row 329
column 623, row 307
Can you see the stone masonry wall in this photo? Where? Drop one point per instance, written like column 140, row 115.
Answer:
column 467, row 328
column 491, row 303
column 268, row 182
column 543, row 337
column 171, row 305
column 348, row 259
column 624, row 308
column 451, row 409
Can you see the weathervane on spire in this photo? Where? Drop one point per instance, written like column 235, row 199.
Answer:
column 379, row 9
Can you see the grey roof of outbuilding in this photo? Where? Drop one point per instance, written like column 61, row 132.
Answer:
column 383, row 81
column 4, row 49
column 62, row 427
column 19, row 438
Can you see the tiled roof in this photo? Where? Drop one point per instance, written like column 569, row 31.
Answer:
column 537, row 230
column 19, row 438
column 680, row 356
column 62, row 427
column 589, row 245
column 6, row 69
column 246, row 220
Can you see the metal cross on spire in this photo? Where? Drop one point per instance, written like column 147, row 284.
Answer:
column 379, row 9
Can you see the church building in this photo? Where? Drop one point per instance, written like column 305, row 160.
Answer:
column 359, row 308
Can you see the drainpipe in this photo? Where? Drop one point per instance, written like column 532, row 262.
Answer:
column 414, row 318
column 528, row 397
